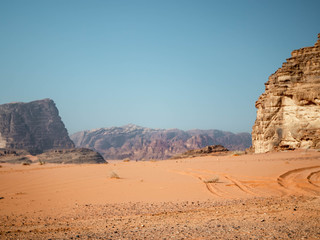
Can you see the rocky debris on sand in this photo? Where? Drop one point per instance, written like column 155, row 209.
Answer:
column 14, row 156
column 256, row 218
column 35, row 127
column 67, row 156
column 288, row 115
column 213, row 149
column 74, row 155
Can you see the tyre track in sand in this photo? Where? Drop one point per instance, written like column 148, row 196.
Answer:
column 300, row 181
column 244, row 188
column 314, row 177
column 218, row 186
column 211, row 187
column 241, row 186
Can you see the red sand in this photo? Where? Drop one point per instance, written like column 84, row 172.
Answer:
column 47, row 192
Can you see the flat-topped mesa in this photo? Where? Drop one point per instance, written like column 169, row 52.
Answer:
column 35, row 126
column 288, row 115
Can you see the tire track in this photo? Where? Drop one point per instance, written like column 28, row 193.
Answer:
column 211, row 187
column 241, row 186
column 236, row 182
column 299, row 181
column 311, row 176
column 215, row 187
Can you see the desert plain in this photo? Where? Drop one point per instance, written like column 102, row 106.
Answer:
column 233, row 196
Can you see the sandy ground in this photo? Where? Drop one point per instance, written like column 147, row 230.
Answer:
column 258, row 196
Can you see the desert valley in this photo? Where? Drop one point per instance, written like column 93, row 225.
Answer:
column 254, row 196
column 133, row 182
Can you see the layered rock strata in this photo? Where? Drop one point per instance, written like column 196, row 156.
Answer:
column 288, row 112
column 34, row 126
column 140, row 143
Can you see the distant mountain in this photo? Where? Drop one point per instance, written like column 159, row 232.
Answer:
column 135, row 142
column 35, row 126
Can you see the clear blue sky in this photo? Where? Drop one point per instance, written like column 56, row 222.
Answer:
column 160, row 64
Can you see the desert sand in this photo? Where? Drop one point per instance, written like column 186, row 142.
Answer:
column 253, row 196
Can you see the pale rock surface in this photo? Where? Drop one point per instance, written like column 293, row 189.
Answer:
column 288, row 115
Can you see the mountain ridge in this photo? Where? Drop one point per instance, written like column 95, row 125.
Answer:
column 136, row 142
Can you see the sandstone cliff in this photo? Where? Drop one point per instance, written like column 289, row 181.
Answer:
column 139, row 143
column 34, row 126
column 288, row 114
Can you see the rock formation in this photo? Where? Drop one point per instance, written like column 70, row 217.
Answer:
column 139, row 143
column 74, row 155
column 67, row 156
column 208, row 150
column 34, row 126
column 14, row 156
column 288, row 114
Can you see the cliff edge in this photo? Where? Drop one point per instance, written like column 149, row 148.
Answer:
column 288, row 112
column 35, row 126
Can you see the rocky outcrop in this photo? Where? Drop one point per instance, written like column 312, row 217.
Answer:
column 70, row 156
column 288, row 114
column 34, row 126
column 14, row 156
column 66, row 156
column 139, row 143
column 208, row 150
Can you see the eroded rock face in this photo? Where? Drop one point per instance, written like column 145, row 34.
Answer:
column 288, row 114
column 34, row 126
column 140, row 143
